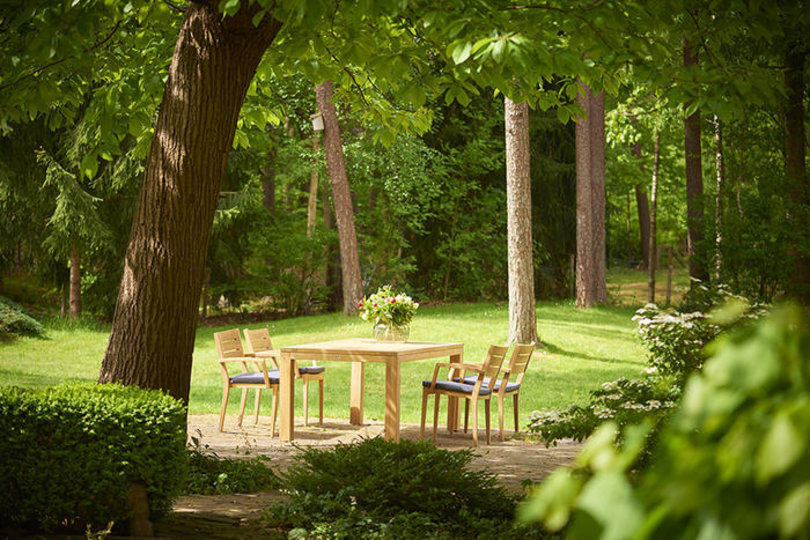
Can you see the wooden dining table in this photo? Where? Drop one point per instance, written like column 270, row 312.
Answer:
column 359, row 352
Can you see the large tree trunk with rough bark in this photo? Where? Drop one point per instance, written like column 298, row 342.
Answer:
column 341, row 196
column 154, row 325
column 590, row 154
column 522, row 316
column 795, row 148
column 75, row 282
column 694, row 185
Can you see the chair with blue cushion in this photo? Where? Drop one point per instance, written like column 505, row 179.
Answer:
column 456, row 386
column 230, row 349
column 518, row 363
column 259, row 343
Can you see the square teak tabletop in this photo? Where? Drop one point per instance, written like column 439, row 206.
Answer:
column 359, row 352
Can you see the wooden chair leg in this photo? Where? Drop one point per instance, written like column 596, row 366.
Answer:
column 475, row 421
column 320, row 402
column 486, row 413
column 256, row 405
column 273, row 412
column 466, row 414
column 306, row 401
column 500, row 415
column 435, row 417
column 224, row 407
column 424, row 414
column 517, row 415
column 242, row 406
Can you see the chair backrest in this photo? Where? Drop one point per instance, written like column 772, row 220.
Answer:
column 493, row 362
column 258, row 340
column 519, row 360
column 229, row 344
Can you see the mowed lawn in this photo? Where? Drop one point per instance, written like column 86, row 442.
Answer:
column 581, row 350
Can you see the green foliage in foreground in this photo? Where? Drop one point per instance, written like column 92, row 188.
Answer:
column 209, row 474
column 379, row 489
column 72, row 452
column 16, row 321
column 733, row 462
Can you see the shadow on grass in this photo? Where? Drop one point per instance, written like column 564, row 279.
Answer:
column 555, row 349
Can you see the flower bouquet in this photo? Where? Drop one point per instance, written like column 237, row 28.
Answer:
column 391, row 313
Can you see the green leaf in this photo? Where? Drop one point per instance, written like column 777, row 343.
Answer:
column 563, row 115
column 89, row 165
column 229, row 7
column 462, row 52
column 609, row 499
column 782, row 447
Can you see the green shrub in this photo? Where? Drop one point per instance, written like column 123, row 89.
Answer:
column 379, row 489
column 16, row 321
column 72, row 452
column 209, row 474
column 733, row 462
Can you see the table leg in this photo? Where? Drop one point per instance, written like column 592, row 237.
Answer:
column 286, row 395
column 453, row 410
column 392, row 390
column 356, row 399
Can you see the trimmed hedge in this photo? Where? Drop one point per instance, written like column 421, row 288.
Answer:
column 70, row 453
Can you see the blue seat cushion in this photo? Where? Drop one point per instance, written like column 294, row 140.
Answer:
column 510, row 386
column 311, row 370
column 256, row 377
column 454, row 386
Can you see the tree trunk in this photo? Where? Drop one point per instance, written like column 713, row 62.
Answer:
column 522, row 316
column 653, row 246
column 643, row 224
column 718, row 198
column 590, row 156
column 795, row 143
column 154, row 325
column 65, row 299
column 269, row 180
column 694, row 185
column 341, row 195
column 75, row 282
column 312, row 201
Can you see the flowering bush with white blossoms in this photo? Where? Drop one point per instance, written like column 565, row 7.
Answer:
column 388, row 308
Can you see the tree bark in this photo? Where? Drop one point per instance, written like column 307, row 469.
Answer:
column 694, row 184
column 653, row 246
column 590, row 156
column 154, row 325
column 718, row 198
column 341, row 196
column 75, row 282
column 795, row 148
column 643, row 224
column 522, row 315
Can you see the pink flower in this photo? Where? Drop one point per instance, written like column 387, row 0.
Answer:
column 375, row 304
column 392, row 301
column 360, row 303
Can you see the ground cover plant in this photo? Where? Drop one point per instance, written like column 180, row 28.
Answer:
column 210, row 474
column 16, row 321
column 581, row 350
column 379, row 489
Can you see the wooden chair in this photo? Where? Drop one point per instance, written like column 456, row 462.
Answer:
column 259, row 343
column 457, row 387
column 518, row 363
column 229, row 349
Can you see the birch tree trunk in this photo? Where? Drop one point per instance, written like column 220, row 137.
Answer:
column 341, row 196
column 590, row 156
column 653, row 247
column 155, row 319
column 718, row 198
column 522, row 315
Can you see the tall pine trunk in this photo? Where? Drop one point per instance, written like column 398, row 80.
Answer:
column 590, row 156
column 341, row 196
column 643, row 206
column 694, row 184
column 154, row 325
column 522, row 316
column 75, row 282
column 795, row 148
column 720, row 170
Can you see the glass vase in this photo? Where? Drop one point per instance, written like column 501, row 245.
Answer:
column 390, row 332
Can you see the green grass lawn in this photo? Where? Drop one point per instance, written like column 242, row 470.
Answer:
column 582, row 350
